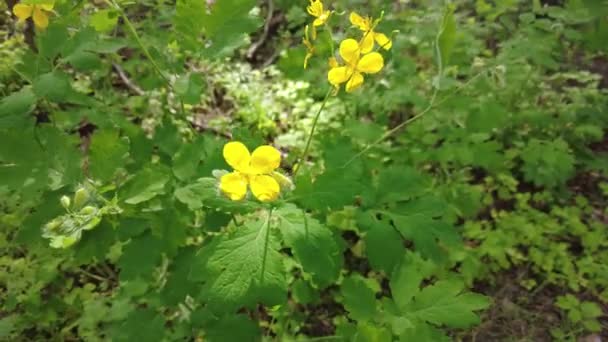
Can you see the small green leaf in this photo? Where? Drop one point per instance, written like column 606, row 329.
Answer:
column 104, row 20
column 359, row 298
column 187, row 159
column 145, row 185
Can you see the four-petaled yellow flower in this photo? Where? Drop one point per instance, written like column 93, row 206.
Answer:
column 255, row 170
column 321, row 15
column 39, row 12
column 369, row 35
column 316, row 10
column 356, row 65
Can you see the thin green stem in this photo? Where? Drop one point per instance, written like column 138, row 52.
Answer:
column 143, row 48
column 266, row 240
column 304, row 155
column 431, row 105
column 138, row 40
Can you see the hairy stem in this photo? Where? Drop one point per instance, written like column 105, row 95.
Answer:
column 304, row 155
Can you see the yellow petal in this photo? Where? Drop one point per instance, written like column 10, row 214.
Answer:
column 371, row 63
column 316, row 8
column 367, row 44
column 383, row 41
column 362, row 23
column 265, row 159
column 234, row 185
column 22, row 11
column 265, row 188
column 237, row 155
column 319, row 21
column 355, row 82
column 41, row 18
column 349, row 50
column 339, row 75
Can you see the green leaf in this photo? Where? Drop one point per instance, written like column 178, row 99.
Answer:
column 430, row 236
column 142, row 324
column 233, row 328
column 145, row 185
column 242, row 267
column 14, row 109
column 140, row 257
column 406, row 279
column 226, row 26
column 359, row 298
column 187, row 159
column 383, row 244
column 189, row 88
column 444, row 303
column 104, row 20
column 312, row 244
column 52, row 40
column 178, row 284
column 205, row 192
column 107, row 153
column 55, row 86
column 188, row 26
column 8, row 325
column 95, row 244
column 401, row 183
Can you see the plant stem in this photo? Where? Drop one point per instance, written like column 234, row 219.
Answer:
column 312, row 133
column 143, row 48
column 266, row 239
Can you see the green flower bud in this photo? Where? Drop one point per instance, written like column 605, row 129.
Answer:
column 54, row 224
column 88, row 210
column 65, row 202
column 80, row 198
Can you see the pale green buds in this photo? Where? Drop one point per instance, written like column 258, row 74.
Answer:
column 80, row 198
column 65, row 202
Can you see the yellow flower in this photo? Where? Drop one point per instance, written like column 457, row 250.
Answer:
column 316, row 10
column 321, row 15
column 369, row 35
column 310, row 49
column 356, row 65
column 38, row 12
column 255, row 171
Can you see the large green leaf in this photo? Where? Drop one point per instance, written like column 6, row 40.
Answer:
column 445, row 303
column 107, row 153
column 242, row 267
column 312, row 244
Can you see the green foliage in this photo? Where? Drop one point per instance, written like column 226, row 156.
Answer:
column 479, row 151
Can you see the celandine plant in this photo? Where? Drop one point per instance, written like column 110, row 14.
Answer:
column 167, row 234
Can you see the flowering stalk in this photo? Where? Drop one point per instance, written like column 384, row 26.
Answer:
column 311, row 134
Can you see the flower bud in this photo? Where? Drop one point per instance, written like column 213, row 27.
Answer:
column 88, row 210
column 81, row 197
column 65, row 202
